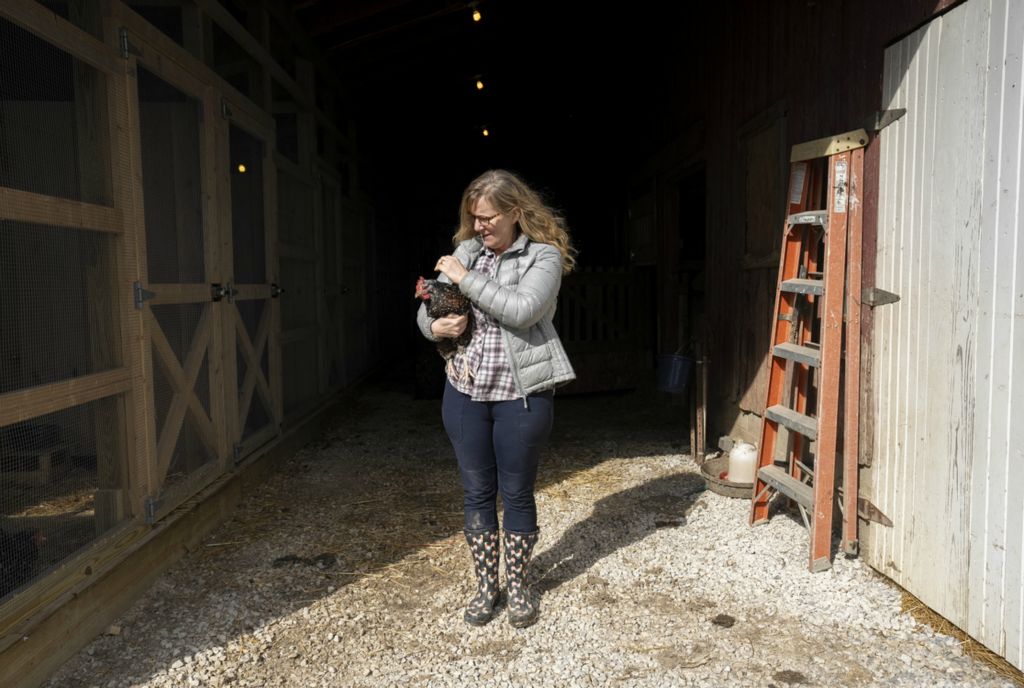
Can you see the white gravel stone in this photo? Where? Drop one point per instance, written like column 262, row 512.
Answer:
column 634, row 563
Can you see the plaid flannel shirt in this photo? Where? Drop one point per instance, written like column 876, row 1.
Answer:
column 486, row 374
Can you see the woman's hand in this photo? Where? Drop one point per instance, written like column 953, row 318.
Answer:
column 450, row 326
column 452, row 268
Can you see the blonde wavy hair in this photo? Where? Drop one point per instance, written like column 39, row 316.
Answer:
column 507, row 193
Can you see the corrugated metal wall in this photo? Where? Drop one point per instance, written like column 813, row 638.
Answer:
column 948, row 388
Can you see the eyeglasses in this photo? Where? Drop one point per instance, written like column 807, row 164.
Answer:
column 486, row 221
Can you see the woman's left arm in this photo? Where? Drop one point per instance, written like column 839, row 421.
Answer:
column 525, row 304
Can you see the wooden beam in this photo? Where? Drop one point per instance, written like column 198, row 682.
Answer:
column 34, row 208
column 39, row 401
column 173, row 294
column 56, row 30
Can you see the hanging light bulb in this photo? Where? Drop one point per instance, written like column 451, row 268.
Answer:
column 485, row 132
column 476, row 15
column 479, row 84
column 241, row 168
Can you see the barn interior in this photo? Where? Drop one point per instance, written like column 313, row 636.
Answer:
column 214, row 215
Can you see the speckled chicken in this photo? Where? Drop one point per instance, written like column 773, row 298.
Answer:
column 443, row 298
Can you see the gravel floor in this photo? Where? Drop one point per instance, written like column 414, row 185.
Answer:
column 348, row 568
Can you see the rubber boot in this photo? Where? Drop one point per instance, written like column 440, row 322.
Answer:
column 523, row 610
column 485, row 546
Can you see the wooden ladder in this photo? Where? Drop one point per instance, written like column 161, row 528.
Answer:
column 797, row 451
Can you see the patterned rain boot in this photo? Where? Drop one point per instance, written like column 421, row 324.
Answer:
column 523, row 610
column 485, row 547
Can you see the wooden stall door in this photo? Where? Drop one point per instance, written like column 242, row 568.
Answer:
column 179, row 260
column 249, row 297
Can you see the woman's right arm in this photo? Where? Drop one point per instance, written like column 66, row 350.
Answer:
column 426, row 323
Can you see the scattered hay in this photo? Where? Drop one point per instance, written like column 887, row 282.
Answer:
column 971, row 647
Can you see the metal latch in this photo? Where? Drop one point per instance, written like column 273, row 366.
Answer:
column 873, row 296
column 152, row 505
column 141, row 295
column 869, row 512
column 126, row 46
column 219, row 291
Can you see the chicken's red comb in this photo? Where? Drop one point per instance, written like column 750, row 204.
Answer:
column 421, row 289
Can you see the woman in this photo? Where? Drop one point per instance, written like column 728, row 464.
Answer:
column 511, row 252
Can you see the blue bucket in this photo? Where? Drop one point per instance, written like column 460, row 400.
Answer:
column 673, row 373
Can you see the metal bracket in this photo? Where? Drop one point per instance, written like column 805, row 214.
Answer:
column 883, row 118
column 236, row 452
column 869, row 512
column 873, row 297
column 275, row 291
column 225, row 109
column 126, row 46
column 219, row 291
column 141, row 295
column 152, row 505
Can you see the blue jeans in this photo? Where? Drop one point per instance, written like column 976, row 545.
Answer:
column 498, row 444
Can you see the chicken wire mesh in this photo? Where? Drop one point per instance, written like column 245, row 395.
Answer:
column 247, row 219
column 169, row 122
column 62, row 472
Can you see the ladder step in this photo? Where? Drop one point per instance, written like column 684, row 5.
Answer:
column 804, row 286
column 782, row 481
column 798, row 422
column 801, row 354
column 809, row 217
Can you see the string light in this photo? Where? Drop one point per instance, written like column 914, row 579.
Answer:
column 479, row 85
column 485, row 132
column 476, row 15
column 241, row 168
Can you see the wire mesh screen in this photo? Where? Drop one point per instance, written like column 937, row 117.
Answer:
column 295, row 211
column 56, row 305
column 60, row 487
column 170, row 20
column 53, row 121
column 299, row 360
column 169, row 121
column 298, row 302
column 247, row 220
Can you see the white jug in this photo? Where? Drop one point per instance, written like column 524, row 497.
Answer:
column 742, row 463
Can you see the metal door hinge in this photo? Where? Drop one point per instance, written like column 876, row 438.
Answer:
column 152, row 505
column 883, row 118
column 141, row 295
column 127, row 48
column 236, row 452
column 225, row 109
column 869, row 512
column 873, row 296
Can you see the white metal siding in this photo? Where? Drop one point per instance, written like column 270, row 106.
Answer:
column 948, row 392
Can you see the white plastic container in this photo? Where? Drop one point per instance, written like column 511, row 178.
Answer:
column 742, row 463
